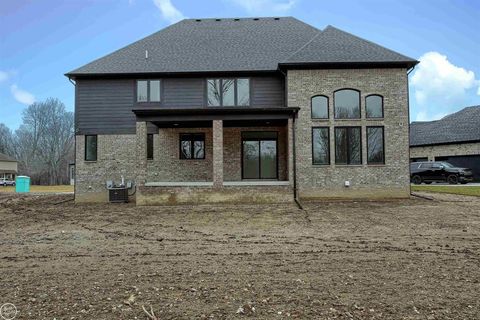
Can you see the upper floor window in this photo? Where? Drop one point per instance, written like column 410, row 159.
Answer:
column 319, row 107
column 374, row 106
column 347, row 104
column 148, row 91
column 228, row 92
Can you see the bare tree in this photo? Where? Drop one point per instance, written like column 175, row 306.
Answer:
column 44, row 142
column 6, row 140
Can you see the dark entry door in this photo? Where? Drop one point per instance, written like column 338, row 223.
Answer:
column 259, row 155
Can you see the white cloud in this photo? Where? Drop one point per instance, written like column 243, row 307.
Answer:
column 264, row 7
column 440, row 86
column 3, row 76
column 22, row 96
column 168, row 10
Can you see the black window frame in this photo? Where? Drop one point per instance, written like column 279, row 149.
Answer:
column 235, row 91
column 359, row 104
column 192, row 142
column 383, row 144
column 311, row 107
column 366, row 106
column 96, row 147
column 328, row 147
column 150, row 146
column 348, row 143
column 148, row 90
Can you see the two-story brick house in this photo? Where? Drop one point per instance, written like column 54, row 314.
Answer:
column 244, row 110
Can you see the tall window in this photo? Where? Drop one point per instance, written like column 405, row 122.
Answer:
column 148, row 91
column 321, row 145
column 348, row 145
column 375, row 145
column 374, row 106
column 91, row 148
column 347, row 104
column 228, row 92
column 192, row 146
column 319, row 107
column 150, row 146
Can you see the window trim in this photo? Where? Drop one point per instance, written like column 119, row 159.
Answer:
column 153, row 146
column 328, row 107
column 366, row 113
column 96, row 148
column 348, row 143
column 328, row 147
column 383, row 145
column 359, row 104
column 148, row 90
column 235, row 92
column 191, row 145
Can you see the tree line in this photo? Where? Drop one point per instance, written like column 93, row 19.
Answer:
column 43, row 144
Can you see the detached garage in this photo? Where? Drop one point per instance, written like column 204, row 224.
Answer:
column 454, row 138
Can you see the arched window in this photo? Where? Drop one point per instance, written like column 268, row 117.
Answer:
column 319, row 107
column 374, row 106
column 347, row 104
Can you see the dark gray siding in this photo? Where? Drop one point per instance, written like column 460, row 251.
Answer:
column 105, row 106
column 183, row 93
column 267, row 92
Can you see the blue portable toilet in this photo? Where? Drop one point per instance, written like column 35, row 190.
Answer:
column 22, row 184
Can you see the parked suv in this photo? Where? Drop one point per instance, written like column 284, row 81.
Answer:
column 6, row 182
column 439, row 171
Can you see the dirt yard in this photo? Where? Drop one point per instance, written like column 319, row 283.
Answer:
column 410, row 259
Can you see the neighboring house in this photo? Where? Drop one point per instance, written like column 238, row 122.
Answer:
column 244, row 110
column 454, row 138
column 8, row 167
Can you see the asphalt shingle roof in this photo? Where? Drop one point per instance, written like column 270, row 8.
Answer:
column 247, row 44
column 461, row 126
column 4, row 157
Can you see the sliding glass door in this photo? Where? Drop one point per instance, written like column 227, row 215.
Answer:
column 259, row 153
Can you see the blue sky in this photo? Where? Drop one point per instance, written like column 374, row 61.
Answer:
column 42, row 40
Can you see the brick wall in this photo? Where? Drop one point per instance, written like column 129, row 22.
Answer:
column 389, row 180
column 116, row 156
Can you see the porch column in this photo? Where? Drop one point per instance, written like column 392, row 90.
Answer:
column 141, row 150
column 217, row 128
column 290, row 150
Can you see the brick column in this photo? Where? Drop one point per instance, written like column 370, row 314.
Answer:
column 141, row 151
column 217, row 133
column 290, row 150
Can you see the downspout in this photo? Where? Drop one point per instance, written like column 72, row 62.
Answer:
column 295, row 191
column 294, row 164
column 408, row 103
column 74, row 141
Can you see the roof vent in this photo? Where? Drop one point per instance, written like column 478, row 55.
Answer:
column 236, row 19
column 218, row 19
column 198, row 20
column 146, row 54
column 276, row 18
column 256, row 19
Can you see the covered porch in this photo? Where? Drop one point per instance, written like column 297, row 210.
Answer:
column 214, row 156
